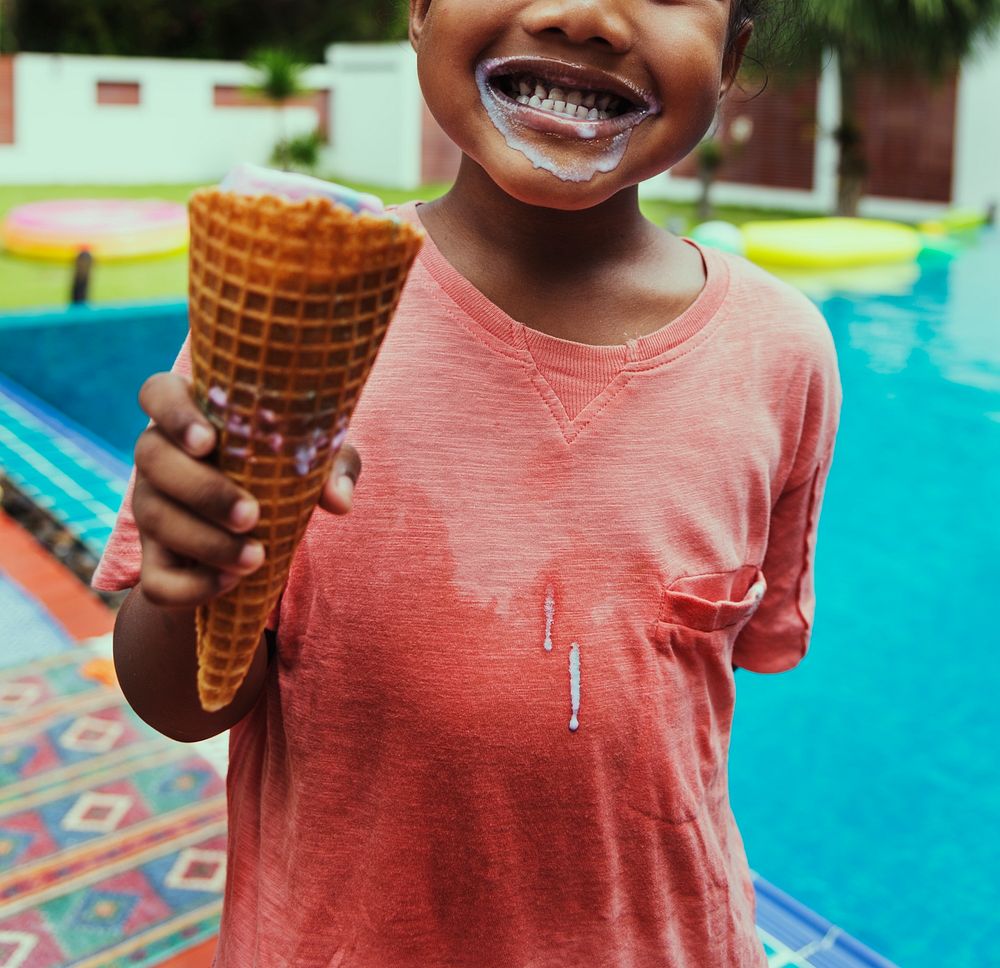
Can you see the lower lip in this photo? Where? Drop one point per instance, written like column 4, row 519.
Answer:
column 547, row 122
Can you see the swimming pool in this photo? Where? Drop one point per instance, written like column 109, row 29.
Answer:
column 89, row 363
column 864, row 780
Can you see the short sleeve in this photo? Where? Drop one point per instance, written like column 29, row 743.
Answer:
column 121, row 563
column 777, row 636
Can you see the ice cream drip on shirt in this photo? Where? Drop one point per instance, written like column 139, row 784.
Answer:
column 574, row 658
column 574, row 687
column 550, row 614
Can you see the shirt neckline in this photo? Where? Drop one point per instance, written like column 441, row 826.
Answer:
column 584, row 357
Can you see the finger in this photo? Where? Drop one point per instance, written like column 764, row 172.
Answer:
column 166, row 398
column 168, row 583
column 337, row 495
column 192, row 483
column 189, row 537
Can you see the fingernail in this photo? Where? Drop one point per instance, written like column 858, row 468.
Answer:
column 252, row 555
column 345, row 488
column 198, row 437
column 228, row 581
column 244, row 513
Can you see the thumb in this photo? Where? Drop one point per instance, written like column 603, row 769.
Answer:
column 337, row 495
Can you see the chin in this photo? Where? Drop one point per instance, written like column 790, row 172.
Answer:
column 518, row 178
column 555, row 194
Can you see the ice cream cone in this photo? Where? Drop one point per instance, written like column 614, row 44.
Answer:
column 289, row 304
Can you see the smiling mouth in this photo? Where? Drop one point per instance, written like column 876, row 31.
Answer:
column 578, row 104
column 559, row 98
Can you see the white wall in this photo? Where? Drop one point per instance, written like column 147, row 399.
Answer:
column 62, row 135
column 977, row 155
column 377, row 114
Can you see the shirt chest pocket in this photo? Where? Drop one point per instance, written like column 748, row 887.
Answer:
column 708, row 611
column 681, row 769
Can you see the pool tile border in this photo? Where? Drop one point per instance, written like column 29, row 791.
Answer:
column 58, row 475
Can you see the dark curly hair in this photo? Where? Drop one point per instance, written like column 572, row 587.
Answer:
column 742, row 13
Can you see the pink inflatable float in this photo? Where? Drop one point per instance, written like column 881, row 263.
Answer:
column 109, row 228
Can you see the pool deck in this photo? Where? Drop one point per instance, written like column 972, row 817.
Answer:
column 64, row 473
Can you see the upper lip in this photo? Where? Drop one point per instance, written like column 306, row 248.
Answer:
column 573, row 76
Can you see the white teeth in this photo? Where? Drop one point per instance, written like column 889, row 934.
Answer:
column 574, row 104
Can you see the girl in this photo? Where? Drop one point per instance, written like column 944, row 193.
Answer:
column 490, row 726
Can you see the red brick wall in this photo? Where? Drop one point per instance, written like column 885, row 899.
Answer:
column 780, row 152
column 439, row 156
column 230, row 96
column 6, row 100
column 118, row 92
column 909, row 128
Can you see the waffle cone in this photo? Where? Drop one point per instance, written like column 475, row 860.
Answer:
column 289, row 304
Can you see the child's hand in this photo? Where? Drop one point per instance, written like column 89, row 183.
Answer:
column 193, row 521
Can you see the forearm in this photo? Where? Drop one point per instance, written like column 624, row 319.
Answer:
column 157, row 666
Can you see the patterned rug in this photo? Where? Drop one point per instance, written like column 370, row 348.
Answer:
column 112, row 838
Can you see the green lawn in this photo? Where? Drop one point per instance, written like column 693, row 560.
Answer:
column 29, row 283
column 32, row 282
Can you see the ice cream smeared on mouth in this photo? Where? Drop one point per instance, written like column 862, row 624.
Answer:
column 561, row 119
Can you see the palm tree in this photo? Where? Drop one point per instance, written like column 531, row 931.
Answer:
column 929, row 37
column 279, row 80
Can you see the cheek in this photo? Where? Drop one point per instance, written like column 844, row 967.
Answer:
column 445, row 72
column 691, row 96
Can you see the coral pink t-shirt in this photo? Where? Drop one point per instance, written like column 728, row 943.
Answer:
column 495, row 730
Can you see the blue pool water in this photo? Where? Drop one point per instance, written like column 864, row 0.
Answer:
column 90, row 363
column 865, row 781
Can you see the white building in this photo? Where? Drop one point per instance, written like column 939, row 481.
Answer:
column 115, row 120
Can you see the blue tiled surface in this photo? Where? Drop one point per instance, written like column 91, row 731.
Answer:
column 795, row 937
column 57, row 473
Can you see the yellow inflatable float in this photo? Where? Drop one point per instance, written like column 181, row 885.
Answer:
column 958, row 220
column 830, row 243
